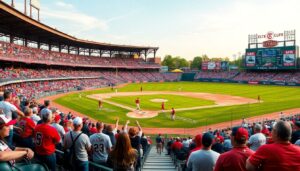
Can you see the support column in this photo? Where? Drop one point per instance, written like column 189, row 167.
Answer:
column 78, row 52
column 68, row 49
column 38, row 45
column 90, row 52
column 11, row 38
column 25, row 42
column 59, row 47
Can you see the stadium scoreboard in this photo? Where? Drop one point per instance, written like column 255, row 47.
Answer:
column 272, row 54
column 271, row 58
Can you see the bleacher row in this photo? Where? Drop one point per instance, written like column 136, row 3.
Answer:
column 18, row 53
column 64, row 80
column 249, row 76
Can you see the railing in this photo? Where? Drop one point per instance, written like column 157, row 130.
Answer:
column 92, row 165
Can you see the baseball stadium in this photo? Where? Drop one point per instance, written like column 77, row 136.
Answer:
column 54, row 84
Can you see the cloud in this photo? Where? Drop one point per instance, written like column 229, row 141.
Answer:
column 64, row 5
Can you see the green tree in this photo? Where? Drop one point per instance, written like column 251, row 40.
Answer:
column 196, row 63
column 180, row 62
column 168, row 61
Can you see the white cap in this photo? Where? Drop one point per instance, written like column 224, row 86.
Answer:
column 46, row 113
column 77, row 121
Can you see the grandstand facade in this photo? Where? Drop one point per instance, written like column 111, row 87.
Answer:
column 33, row 54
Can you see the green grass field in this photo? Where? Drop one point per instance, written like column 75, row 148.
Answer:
column 276, row 98
column 173, row 101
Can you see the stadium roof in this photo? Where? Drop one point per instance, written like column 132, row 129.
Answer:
column 13, row 22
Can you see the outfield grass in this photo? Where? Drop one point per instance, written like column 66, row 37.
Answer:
column 275, row 98
column 147, row 104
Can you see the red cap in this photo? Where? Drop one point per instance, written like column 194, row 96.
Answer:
column 6, row 122
column 239, row 133
column 57, row 118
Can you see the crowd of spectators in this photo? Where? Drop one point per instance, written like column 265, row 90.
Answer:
column 251, row 76
column 19, row 53
column 268, row 145
column 40, row 130
column 29, row 130
column 216, row 74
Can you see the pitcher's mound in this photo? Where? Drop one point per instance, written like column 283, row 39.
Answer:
column 158, row 100
column 142, row 114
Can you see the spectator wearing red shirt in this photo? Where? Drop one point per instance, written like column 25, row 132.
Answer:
column 220, row 137
column 27, row 125
column 46, row 137
column 281, row 155
column 235, row 159
column 177, row 145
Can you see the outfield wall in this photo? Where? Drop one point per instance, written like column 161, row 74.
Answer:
column 281, row 83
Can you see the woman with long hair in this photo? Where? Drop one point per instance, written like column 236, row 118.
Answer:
column 123, row 157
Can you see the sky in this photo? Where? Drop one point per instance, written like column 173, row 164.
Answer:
column 186, row 28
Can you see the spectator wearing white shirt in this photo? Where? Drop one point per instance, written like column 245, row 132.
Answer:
column 258, row 139
column 60, row 129
column 101, row 145
column 34, row 115
column 7, row 108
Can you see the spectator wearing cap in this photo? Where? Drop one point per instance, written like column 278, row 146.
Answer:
column 235, row 159
column 85, row 128
column 281, row 155
column 296, row 133
column 204, row 159
column 60, row 129
column 7, row 154
column 82, row 145
column 45, row 138
column 218, row 146
column 93, row 129
column 197, row 143
column 68, row 125
column 8, row 109
column 27, row 125
column 258, row 139
column 101, row 145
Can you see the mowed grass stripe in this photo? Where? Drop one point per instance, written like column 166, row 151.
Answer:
column 176, row 101
column 275, row 98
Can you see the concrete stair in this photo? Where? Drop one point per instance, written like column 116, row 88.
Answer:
column 158, row 162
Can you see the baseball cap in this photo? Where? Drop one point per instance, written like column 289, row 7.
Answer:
column 57, row 118
column 45, row 113
column 6, row 122
column 239, row 133
column 77, row 121
column 207, row 139
column 198, row 139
